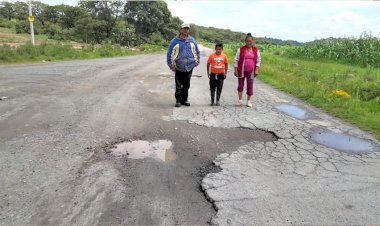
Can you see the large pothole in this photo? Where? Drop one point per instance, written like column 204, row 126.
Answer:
column 162, row 168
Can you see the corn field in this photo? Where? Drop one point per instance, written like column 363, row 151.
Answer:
column 363, row 51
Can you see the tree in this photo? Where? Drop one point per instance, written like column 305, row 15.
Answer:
column 105, row 11
column 38, row 10
column 124, row 33
column 69, row 15
column 7, row 10
column 21, row 10
column 172, row 28
column 90, row 30
column 148, row 17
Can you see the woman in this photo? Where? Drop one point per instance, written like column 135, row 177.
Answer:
column 247, row 63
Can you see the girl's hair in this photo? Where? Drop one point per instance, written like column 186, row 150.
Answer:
column 249, row 35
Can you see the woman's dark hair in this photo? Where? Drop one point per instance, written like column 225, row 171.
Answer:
column 219, row 44
column 249, row 35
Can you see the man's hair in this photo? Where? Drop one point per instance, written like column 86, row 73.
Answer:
column 219, row 44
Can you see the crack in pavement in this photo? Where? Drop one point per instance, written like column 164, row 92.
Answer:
column 285, row 171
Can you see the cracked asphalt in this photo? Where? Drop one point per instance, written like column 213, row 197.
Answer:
column 292, row 180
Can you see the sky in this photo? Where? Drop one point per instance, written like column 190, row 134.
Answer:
column 299, row 20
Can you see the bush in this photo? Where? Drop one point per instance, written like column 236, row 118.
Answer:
column 157, row 39
column 53, row 31
column 23, row 26
column 369, row 91
column 8, row 23
column 6, row 53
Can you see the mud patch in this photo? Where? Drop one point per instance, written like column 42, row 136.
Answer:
column 140, row 149
column 293, row 111
column 343, row 142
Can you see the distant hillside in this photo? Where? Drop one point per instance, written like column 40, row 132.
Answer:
column 212, row 34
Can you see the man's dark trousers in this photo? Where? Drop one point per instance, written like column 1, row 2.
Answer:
column 182, row 85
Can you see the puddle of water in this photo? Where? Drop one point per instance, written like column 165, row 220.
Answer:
column 139, row 149
column 292, row 110
column 343, row 142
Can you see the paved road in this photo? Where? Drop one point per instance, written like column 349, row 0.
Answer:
column 61, row 122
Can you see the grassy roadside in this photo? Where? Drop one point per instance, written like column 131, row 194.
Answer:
column 16, row 48
column 349, row 92
column 54, row 52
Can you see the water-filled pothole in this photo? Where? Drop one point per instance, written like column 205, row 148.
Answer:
column 292, row 111
column 139, row 149
column 343, row 142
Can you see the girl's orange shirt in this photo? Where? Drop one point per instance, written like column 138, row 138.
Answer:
column 217, row 63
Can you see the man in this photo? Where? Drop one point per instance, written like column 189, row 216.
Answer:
column 182, row 56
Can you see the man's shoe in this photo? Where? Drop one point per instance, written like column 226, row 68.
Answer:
column 186, row 103
column 217, row 103
column 178, row 104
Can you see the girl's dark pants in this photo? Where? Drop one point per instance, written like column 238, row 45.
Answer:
column 182, row 85
column 216, row 81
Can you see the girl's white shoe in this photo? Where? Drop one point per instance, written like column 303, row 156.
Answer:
column 249, row 104
column 239, row 103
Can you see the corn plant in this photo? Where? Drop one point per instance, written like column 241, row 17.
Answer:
column 363, row 51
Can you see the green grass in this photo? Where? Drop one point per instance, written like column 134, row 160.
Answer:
column 61, row 51
column 315, row 82
column 8, row 36
column 17, row 48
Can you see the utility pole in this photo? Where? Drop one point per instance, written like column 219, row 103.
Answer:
column 31, row 19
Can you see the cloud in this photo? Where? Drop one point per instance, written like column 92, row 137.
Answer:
column 183, row 10
column 296, row 20
column 349, row 18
